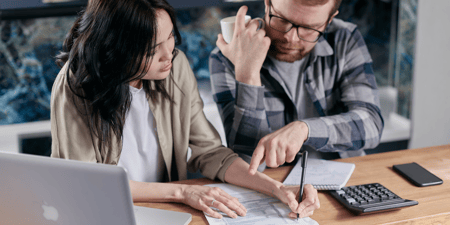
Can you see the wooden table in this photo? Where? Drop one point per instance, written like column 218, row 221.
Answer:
column 434, row 201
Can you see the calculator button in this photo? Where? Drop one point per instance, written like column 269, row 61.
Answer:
column 350, row 200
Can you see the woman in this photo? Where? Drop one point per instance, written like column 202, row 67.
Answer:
column 126, row 96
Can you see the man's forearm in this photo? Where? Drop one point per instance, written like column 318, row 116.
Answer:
column 338, row 132
column 244, row 118
column 240, row 105
column 243, row 76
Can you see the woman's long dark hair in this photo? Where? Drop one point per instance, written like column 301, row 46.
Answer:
column 105, row 50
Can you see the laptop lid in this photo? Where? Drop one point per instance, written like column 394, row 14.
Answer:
column 43, row 190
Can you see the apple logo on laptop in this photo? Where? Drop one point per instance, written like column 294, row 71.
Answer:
column 50, row 212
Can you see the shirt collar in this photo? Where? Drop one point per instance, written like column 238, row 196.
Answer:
column 322, row 48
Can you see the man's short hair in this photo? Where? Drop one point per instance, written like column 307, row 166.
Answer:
column 337, row 3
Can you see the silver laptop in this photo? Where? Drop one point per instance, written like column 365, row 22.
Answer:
column 42, row 190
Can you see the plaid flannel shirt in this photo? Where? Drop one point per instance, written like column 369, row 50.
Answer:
column 339, row 79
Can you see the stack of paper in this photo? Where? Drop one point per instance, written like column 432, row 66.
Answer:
column 322, row 174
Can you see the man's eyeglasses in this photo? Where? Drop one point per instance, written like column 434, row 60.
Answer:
column 283, row 25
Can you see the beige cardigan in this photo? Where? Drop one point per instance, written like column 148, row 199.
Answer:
column 179, row 126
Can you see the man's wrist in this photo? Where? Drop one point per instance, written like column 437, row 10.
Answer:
column 304, row 130
column 248, row 78
column 318, row 135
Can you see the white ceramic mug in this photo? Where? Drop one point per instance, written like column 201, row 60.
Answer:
column 227, row 26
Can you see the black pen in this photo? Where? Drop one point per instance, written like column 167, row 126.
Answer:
column 302, row 181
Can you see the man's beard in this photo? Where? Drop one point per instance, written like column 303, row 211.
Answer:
column 285, row 57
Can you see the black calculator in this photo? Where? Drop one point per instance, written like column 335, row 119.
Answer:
column 370, row 198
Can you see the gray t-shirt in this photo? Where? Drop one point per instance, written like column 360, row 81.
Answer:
column 292, row 76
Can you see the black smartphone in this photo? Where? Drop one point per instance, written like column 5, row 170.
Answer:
column 418, row 175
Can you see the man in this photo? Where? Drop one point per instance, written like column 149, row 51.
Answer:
column 305, row 81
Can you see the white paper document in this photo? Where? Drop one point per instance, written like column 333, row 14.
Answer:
column 322, row 174
column 261, row 209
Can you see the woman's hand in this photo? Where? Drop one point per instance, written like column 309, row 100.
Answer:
column 289, row 196
column 204, row 197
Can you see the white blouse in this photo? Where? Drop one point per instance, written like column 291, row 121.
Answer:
column 141, row 156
